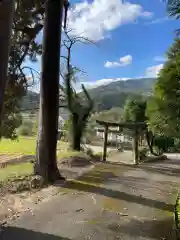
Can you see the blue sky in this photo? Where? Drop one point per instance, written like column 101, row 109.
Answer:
column 132, row 38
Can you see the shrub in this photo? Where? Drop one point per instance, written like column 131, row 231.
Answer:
column 25, row 130
column 163, row 143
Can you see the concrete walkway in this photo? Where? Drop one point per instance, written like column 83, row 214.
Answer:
column 111, row 202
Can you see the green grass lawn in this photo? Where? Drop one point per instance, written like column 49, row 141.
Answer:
column 12, row 171
column 25, row 169
column 24, row 145
column 27, row 146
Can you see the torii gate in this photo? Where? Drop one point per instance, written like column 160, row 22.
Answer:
column 136, row 126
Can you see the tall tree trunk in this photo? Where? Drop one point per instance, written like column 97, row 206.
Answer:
column 135, row 147
column 76, row 142
column 79, row 123
column 6, row 16
column 76, row 133
column 149, row 139
column 46, row 164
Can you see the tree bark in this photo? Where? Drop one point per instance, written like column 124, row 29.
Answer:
column 76, row 133
column 76, row 142
column 46, row 164
column 149, row 139
column 6, row 16
column 136, row 150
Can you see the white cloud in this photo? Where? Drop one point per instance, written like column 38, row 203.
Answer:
column 158, row 20
column 147, row 14
column 123, row 61
column 94, row 19
column 160, row 59
column 111, row 64
column 153, row 71
column 126, row 60
column 98, row 83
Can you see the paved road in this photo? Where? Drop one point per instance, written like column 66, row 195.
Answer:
column 98, row 149
column 111, row 202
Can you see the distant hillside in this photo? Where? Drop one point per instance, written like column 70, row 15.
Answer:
column 116, row 93
column 105, row 96
column 142, row 85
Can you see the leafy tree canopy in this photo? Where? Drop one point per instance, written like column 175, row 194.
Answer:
column 134, row 110
column 27, row 24
column 163, row 109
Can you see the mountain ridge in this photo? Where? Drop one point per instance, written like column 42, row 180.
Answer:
column 105, row 96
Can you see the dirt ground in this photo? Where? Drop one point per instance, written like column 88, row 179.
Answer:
column 14, row 203
column 111, row 201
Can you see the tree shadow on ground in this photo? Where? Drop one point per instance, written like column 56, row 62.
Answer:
column 154, row 229
column 91, row 188
column 25, row 234
column 166, row 169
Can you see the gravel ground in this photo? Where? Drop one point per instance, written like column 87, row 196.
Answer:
column 111, row 202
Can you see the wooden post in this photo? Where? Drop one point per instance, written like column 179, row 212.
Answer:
column 105, row 143
column 135, row 148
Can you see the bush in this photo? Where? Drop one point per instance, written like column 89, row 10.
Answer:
column 163, row 143
column 25, row 130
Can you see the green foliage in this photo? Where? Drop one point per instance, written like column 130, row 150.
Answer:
column 135, row 110
column 163, row 144
column 174, row 10
column 15, row 171
column 67, row 130
column 90, row 132
column 26, row 129
column 80, row 108
column 10, row 123
column 163, row 109
column 27, row 23
column 112, row 115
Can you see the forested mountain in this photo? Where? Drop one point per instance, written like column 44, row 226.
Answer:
column 105, row 96
column 141, row 85
column 116, row 93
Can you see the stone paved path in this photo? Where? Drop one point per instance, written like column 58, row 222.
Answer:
column 110, row 202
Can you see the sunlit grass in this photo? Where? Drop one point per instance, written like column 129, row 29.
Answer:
column 13, row 171
column 27, row 146
column 24, row 146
